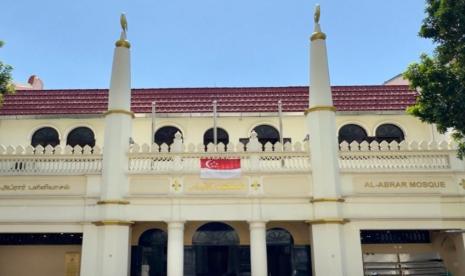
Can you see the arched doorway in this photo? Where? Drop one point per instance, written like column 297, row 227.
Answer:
column 279, row 248
column 216, row 249
column 153, row 246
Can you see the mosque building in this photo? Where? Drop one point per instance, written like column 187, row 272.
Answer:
column 331, row 180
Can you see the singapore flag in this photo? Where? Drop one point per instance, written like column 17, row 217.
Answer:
column 220, row 168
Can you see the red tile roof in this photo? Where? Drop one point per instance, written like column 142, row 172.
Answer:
column 197, row 100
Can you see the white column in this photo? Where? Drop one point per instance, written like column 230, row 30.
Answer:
column 352, row 250
column 258, row 248
column 114, row 226
column 175, row 248
column 118, row 128
column 327, row 221
column 115, row 250
column 89, row 251
column 327, row 250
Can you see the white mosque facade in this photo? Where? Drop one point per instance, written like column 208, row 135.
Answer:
column 338, row 181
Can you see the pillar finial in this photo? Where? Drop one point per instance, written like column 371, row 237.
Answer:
column 317, row 14
column 317, row 33
column 123, row 42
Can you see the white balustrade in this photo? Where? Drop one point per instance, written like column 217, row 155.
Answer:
column 186, row 163
column 50, row 161
column 255, row 158
column 393, row 156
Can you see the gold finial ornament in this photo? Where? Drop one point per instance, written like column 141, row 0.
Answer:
column 317, row 34
column 124, row 23
column 123, row 42
column 316, row 16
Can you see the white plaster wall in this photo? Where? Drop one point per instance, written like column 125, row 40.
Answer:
column 19, row 131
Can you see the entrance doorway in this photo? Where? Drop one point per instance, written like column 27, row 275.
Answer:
column 279, row 248
column 153, row 253
column 216, row 250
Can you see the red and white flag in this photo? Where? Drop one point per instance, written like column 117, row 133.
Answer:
column 220, row 168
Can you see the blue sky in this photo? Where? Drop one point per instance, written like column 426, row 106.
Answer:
column 205, row 43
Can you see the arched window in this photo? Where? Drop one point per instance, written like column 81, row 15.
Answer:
column 165, row 135
column 45, row 136
column 222, row 136
column 389, row 133
column 266, row 133
column 81, row 136
column 352, row 132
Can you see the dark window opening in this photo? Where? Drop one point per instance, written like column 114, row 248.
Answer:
column 165, row 135
column 389, row 133
column 267, row 134
column 45, row 136
column 221, row 134
column 82, row 136
column 395, row 236
column 40, row 238
column 352, row 132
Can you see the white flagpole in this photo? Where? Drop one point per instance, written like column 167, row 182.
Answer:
column 152, row 135
column 280, row 113
column 215, row 134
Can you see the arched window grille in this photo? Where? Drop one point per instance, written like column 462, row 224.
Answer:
column 45, row 136
column 266, row 133
column 215, row 233
column 82, row 136
column 166, row 135
column 153, row 237
column 151, row 254
column 352, row 132
column 222, row 136
column 389, row 133
column 278, row 236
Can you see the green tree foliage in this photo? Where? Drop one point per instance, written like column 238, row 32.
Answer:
column 440, row 78
column 6, row 84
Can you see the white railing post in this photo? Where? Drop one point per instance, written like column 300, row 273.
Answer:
column 177, row 147
column 254, row 147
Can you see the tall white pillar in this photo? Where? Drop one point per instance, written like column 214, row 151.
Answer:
column 115, row 250
column 114, row 228
column 353, row 256
column 258, row 257
column 327, row 222
column 90, row 264
column 327, row 249
column 175, row 248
